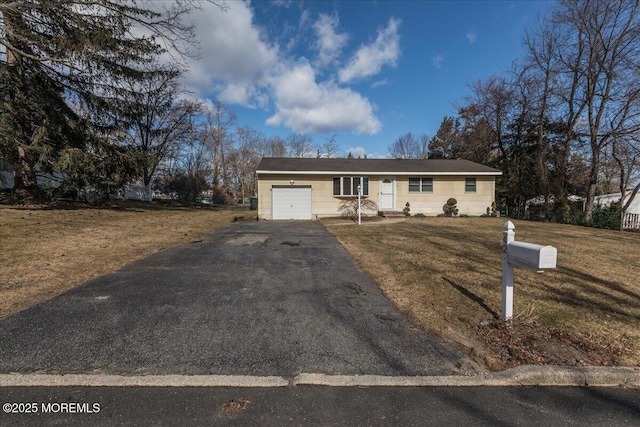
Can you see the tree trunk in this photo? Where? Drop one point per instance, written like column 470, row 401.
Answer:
column 591, row 190
column 25, row 175
column 632, row 196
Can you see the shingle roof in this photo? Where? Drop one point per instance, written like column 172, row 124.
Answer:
column 422, row 166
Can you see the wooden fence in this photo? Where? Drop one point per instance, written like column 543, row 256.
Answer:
column 631, row 221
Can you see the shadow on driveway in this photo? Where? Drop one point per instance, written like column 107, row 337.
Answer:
column 263, row 298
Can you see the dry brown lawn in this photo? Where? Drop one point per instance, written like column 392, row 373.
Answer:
column 46, row 250
column 445, row 275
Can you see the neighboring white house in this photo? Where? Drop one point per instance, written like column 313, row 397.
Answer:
column 6, row 180
column 539, row 201
column 138, row 192
column 606, row 200
column 130, row 192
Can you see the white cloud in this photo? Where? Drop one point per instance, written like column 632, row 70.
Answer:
column 330, row 43
column 307, row 106
column 361, row 152
column 245, row 94
column 378, row 156
column 304, row 18
column 437, row 60
column 239, row 65
column 282, row 3
column 370, row 59
column 232, row 51
column 379, row 83
column 235, row 94
column 472, row 36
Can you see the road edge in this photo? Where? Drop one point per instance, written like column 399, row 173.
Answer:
column 567, row 376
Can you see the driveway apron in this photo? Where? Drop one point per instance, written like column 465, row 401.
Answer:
column 254, row 298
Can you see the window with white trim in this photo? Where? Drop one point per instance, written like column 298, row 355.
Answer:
column 420, row 185
column 469, row 185
column 348, row 185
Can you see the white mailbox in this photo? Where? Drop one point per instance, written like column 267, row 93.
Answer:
column 532, row 256
column 521, row 254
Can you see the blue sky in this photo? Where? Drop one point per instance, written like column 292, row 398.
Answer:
column 366, row 71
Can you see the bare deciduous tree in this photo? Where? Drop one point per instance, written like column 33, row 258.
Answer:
column 161, row 122
column 494, row 100
column 626, row 153
column 274, row 147
column 330, row 148
column 217, row 134
column 301, row 145
column 409, row 146
column 244, row 161
column 606, row 35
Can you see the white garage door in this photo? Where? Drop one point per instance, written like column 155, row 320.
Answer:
column 291, row 202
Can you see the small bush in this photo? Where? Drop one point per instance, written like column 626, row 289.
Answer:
column 182, row 186
column 219, row 196
column 407, row 210
column 608, row 217
column 450, row 208
column 603, row 217
column 349, row 207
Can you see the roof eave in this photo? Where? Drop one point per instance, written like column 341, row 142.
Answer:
column 390, row 173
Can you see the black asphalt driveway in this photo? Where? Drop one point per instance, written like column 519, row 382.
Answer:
column 258, row 298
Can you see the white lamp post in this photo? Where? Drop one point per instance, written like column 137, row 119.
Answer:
column 359, row 195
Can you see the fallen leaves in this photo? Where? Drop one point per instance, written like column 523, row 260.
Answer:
column 234, row 407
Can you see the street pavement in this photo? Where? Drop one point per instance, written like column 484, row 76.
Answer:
column 329, row 406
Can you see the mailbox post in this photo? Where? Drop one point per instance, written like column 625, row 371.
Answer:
column 508, row 236
column 522, row 254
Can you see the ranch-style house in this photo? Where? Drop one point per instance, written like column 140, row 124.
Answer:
column 309, row 188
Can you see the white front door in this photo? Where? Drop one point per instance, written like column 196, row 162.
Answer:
column 387, row 193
